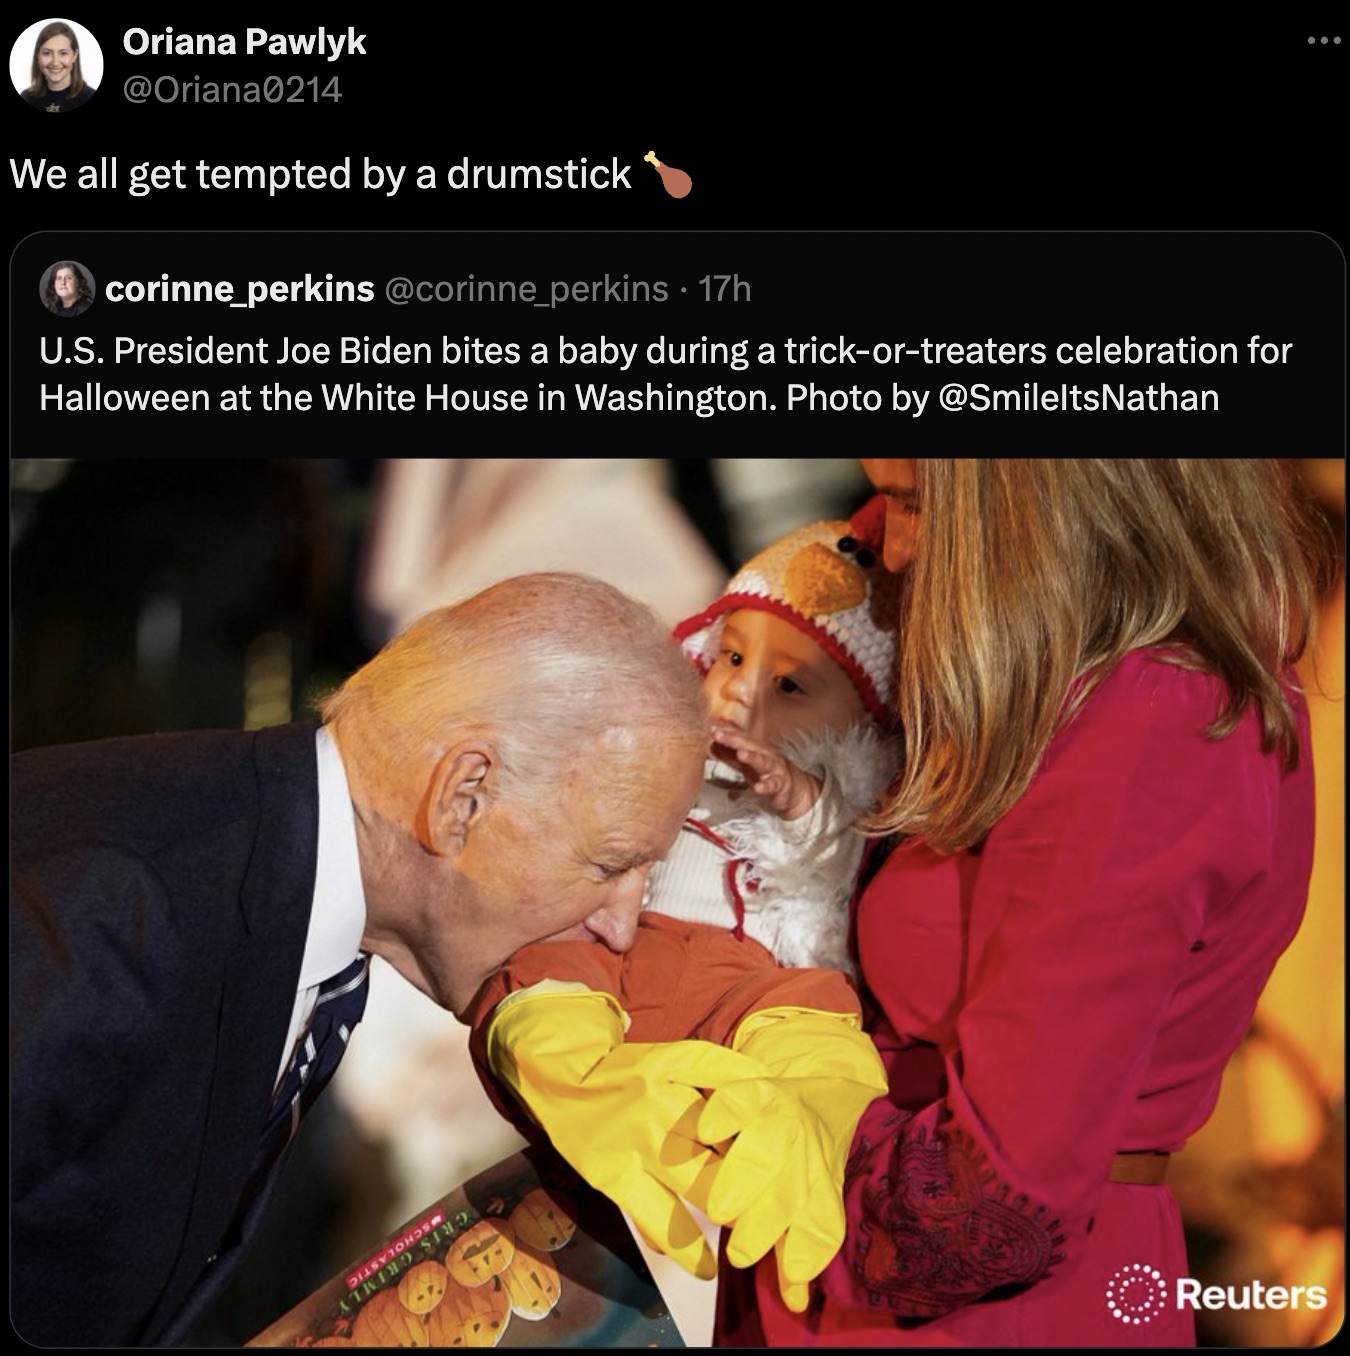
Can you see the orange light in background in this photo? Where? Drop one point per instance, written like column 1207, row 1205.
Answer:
column 1298, row 1132
column 1266, row 1175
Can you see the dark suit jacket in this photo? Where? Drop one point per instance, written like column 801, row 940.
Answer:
column 160, row 893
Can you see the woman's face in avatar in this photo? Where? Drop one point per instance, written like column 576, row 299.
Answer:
column 56, row 60
column 66, row 287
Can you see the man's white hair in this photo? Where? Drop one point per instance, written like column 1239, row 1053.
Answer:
column 543, row 665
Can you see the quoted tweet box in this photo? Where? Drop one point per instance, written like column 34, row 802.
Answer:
column 805, row 342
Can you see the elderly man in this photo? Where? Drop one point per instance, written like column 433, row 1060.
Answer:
column 190, row 913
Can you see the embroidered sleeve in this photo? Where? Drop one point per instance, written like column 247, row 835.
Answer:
column 938, row 1227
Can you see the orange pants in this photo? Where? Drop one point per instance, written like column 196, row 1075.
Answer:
column 679, row 980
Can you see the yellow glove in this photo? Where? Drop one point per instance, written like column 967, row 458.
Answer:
column 780, row 1183
column 623, row 1115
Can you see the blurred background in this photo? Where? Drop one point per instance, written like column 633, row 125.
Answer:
column 159, row 595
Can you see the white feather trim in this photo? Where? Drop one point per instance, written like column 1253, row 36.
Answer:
column 807, row 868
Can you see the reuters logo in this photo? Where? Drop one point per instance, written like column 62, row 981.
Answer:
column 1136, row 1293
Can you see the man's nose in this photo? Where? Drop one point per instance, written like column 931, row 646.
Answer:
column 615, row 922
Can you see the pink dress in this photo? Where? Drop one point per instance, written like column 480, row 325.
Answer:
column 1070, row 990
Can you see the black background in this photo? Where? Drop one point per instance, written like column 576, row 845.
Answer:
column 1139, row 174
column 1064, row 129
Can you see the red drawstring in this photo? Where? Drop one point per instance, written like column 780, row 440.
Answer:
column 734, row 870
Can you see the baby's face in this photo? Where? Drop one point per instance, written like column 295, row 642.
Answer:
column 773, row 681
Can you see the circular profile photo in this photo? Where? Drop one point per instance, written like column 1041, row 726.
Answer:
column 67, row 289
column 56, row 66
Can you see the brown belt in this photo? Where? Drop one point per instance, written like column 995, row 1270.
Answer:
column 1145, row 1167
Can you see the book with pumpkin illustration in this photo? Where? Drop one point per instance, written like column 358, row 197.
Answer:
column 522, row 1255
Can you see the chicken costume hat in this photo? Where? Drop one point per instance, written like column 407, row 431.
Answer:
column 829, row 581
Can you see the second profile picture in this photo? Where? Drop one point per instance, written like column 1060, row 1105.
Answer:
column 67, row 289
column 55, row 66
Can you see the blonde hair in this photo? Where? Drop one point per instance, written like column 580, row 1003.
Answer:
column 543, row 665
column 1032, row 578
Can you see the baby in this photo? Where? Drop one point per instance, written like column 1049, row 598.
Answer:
column 744, row 935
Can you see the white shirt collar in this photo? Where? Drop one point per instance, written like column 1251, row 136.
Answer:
column 337, row 917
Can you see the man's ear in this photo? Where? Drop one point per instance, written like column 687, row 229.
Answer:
column 456, row 796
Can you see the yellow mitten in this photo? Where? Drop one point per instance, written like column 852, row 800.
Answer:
column 780, row 1183
column 623, row 1115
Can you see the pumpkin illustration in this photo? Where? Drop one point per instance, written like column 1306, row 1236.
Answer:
column 467, row 1317
column 422, row 1286
column 385, row 1322
column 481, row 1252
column 544, row 1219
column 533, row 1283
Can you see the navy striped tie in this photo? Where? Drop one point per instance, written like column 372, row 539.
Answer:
column 341, row 1003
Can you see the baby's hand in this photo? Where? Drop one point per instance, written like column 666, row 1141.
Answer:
column 788, row 790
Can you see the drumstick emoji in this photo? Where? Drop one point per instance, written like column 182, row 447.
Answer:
column 677, row 182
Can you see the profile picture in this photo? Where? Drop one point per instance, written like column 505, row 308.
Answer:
column 67, row 289
column 56, row 66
